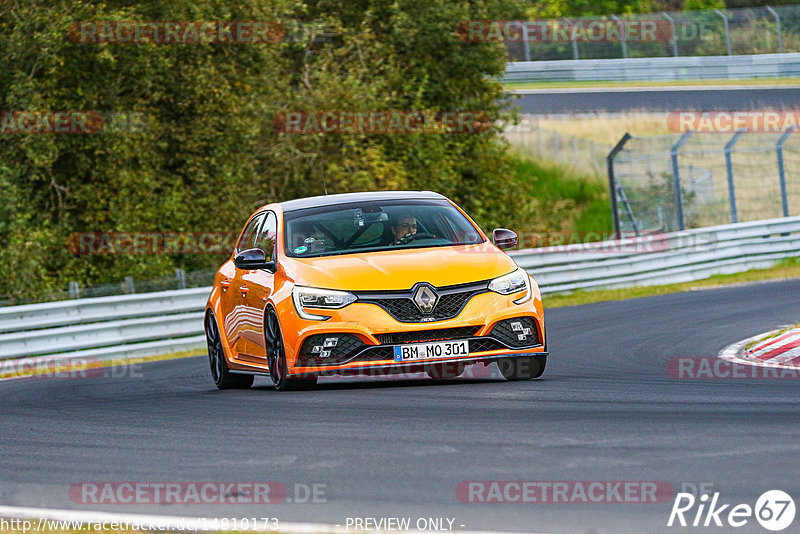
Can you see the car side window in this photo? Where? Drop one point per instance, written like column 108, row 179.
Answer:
column 268, row 235
column 248, row 239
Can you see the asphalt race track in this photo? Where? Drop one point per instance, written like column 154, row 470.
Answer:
column 604, row 411
column 663, row 99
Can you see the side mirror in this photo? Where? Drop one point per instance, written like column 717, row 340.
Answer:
column 253, row 258
column 504, row 239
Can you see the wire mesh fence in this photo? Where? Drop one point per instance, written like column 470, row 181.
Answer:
column 584, row 155
column 713, row 32
column 694, row 180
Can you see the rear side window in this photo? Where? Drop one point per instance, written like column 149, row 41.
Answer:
column 248, row 239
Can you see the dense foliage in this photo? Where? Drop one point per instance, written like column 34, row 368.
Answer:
column 208, row 153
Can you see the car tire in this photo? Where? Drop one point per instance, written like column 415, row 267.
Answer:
column 522, row 368
column 445, row 370
column 276, row 358
column 220, row 373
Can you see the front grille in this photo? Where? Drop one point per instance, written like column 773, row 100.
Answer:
column 519, row 332
column 347, row 346
column 401, row 306
column 427, row 335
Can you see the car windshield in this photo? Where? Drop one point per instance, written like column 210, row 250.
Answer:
column 374, row 226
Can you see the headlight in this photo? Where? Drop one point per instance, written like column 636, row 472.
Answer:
column 326, row 299
column 513, row 283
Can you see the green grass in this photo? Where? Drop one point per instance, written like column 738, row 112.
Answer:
column 514, row 86
column 784, row 270
column 566, row 201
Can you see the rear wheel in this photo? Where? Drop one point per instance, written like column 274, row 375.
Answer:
column 220, row 373
column 276, row 358
column 522, row 368
column 445, row 370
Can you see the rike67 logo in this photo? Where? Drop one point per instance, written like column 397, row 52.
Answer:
column 774, row 510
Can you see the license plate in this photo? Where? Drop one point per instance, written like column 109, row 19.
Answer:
column 426, row 351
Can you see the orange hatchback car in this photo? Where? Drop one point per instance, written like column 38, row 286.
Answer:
column 370, row 283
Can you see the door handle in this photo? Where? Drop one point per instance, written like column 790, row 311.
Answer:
column 244, row 290
column 225, row 284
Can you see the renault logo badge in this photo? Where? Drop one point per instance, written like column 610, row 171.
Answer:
column 425, row 298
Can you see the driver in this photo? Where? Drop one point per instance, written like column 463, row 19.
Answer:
column 403, row 226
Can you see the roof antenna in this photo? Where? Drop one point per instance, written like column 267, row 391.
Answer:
column 324, row 186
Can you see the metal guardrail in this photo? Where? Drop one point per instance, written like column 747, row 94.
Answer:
column 656, row 68
column 170, row 321
column 82, row 311
column 106, row 327
column 663, row 258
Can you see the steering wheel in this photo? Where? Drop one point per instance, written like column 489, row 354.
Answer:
column 408, row 238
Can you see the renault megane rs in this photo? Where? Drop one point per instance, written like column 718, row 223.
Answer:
column 370, row 283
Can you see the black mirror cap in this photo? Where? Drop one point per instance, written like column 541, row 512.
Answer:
column 253, row 258
column 504, row 239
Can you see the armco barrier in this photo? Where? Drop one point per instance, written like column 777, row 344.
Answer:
column 106, row 327
column 170, row 321
column 656, row 68
column 73, row 312
column 675, row 257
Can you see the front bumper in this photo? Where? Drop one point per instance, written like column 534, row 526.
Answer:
column 394, row 368
column 373, row 333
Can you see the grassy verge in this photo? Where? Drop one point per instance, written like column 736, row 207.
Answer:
column 786, row 269
column 566, row 200
column 608, row 128
column 514, row 86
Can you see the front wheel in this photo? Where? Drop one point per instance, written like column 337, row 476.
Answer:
column 276, row 358
column 220, row 373
column 522, row 368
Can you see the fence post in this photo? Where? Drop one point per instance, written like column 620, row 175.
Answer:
column 674, row 37
column 729, row 171
column 623, row 39
column 575, row 54
column 676, row 177
column 525, row 43
column 180, row 276
column 777, row 28
column 781, row 170
column 727, row 30
column 129, row 287
column 612, row 181
column 74, row 290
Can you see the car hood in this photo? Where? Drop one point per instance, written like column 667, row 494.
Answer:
column 401, row 269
